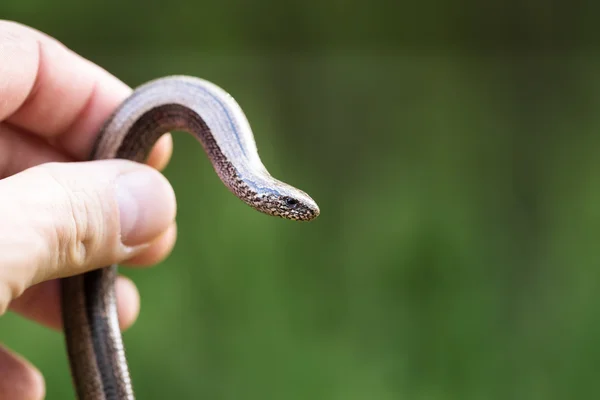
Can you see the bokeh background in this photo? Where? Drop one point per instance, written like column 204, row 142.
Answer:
column 453, row 148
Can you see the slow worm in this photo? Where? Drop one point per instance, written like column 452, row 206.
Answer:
column 94, row 344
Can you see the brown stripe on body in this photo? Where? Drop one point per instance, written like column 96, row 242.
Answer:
column 84, row 370
column 157, row 121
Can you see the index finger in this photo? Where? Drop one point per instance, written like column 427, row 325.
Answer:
column 52, row 92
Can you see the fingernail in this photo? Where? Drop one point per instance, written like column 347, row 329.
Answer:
column 146, row 205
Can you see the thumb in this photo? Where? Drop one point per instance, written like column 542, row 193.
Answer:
column 62, row 219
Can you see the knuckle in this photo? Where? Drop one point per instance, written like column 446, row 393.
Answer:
column 78, row 235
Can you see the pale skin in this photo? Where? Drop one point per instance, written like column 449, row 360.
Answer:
column 61, row 217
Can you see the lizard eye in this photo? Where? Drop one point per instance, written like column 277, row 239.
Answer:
column 290, row 202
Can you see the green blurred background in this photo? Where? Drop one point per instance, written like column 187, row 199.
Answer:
column 452, row 147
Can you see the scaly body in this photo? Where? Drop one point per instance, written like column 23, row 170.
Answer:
column 94, row 343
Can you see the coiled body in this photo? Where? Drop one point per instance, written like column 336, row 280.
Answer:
column 94, row 343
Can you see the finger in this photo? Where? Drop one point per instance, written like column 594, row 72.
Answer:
column 19, row 380
column 20, row 150
column 41, row 303
column 91, row 214
column 161, row 153
column 161, row 247
column 37, row 70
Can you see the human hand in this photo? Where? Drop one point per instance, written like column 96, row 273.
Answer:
column 60, row 218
